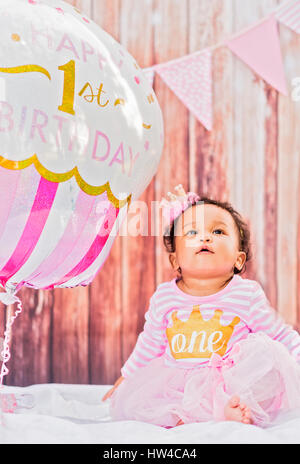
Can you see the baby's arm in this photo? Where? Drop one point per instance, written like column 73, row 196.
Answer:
column 264, row 318
column 110, row 392
column 151, row 342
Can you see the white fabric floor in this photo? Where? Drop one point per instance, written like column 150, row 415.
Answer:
column 75, row 414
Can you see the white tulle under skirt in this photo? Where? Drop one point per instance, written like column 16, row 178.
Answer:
column 259, row 370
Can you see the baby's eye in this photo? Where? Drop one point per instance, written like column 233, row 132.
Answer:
column 219, row 230
column 191, row 232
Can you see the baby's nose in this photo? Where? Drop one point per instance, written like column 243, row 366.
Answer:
column 206, row 238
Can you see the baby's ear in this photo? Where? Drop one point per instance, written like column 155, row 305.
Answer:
column 173, row 261
column 240, row 260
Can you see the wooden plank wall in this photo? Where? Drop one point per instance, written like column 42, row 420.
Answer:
column 250, row 158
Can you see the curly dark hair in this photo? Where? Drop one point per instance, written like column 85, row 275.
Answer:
column 242, row 227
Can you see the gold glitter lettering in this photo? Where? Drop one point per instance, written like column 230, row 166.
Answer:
column 67, row 105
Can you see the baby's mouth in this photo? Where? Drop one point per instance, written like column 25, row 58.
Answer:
column 204, row 250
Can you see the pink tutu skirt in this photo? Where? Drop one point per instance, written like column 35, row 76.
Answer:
column 258, row 369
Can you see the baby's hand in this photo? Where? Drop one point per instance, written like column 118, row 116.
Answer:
column 110, row 392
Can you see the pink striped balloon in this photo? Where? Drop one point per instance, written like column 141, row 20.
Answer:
column 52, row 233
column 80, row 139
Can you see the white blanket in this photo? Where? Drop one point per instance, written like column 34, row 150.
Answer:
column 75, row 414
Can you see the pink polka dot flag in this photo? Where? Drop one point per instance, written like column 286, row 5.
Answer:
column 190, row 79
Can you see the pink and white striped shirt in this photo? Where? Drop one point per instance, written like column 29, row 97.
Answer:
column 186, row 330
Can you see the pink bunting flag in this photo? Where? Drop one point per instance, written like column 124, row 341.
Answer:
column 190, row 79
column 259, row 48
column 149, row 73
column 289, row 15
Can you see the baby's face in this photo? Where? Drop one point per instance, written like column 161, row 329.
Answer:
column 215, row 228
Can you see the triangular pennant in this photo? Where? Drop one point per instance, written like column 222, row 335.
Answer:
column 149, row 74
column 259, row 48
column 289, row 15
column 190, row 79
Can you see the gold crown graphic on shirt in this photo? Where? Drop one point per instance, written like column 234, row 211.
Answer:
column 197, row 338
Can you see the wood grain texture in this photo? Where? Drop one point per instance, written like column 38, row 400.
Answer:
column 105, row 295
column 250, row 158
column 209, row 150
column 288, row 184
column 171, row 23
column 137, row 262
column 250, row 111
column 30, row 346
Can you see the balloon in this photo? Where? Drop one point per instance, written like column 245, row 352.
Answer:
column 81, row 136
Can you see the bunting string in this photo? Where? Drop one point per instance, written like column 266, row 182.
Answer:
column 258, row 46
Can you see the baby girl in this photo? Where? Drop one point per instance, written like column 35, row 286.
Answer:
column 212, row 347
